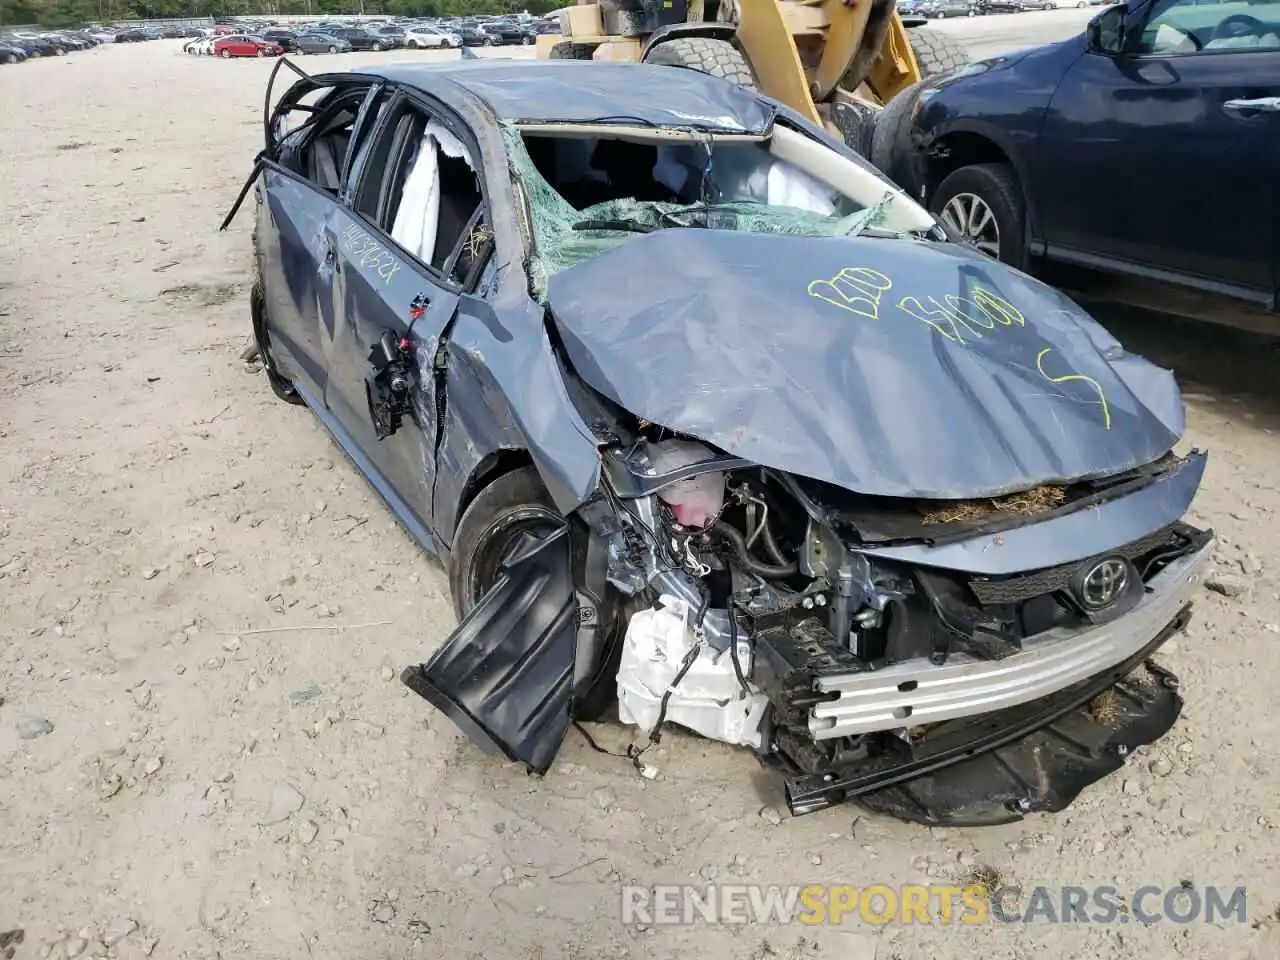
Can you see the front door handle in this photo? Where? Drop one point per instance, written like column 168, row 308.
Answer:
column 1264, row 104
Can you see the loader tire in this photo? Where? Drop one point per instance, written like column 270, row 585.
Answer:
column 719, row 58
column 892, row 127
column 935, row 52
column 571, row 51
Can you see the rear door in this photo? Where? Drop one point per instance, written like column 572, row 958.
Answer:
column 401, row 267
column 297, row 201
column 1166, row 153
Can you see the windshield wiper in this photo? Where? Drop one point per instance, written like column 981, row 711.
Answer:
column 628, row 226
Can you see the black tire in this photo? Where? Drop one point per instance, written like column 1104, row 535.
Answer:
column 997, row 186
column 719, row 58
column 332, row 48
column 892, row 125
column 935, row 52
column 571, row 51
column 279, row 384
column 377, row 48
column 514, row 503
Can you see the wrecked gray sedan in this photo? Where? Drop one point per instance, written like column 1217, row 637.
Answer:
column 705, row 417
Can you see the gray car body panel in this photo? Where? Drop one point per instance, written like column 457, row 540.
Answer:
column 1067, row 538
column 886, row 367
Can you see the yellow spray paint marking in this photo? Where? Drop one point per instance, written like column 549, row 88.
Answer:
column 856, row 289
column 369, row 254
column 1068, row 377
column 997, row 308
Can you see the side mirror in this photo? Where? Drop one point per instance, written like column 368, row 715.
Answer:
column 1105, row 33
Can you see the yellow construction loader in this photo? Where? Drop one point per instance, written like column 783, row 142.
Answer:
column 834, row 61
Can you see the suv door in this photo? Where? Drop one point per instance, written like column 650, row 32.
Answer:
column 401, row 267
column 1161, row 146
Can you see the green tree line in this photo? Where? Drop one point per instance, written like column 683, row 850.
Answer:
column 65, row 13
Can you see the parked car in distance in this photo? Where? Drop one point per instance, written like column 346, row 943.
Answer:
column 245, row 46
column 421, row 37
column 510, row 32
column 1000, row 6
column 474, row 35
column 40, row 46
column 285, row 39
column 941, row 9
column 392, row 37
column 320, row 43
column 11, row 52
column 360, row 39
column 1180, row 100
column 199, row 47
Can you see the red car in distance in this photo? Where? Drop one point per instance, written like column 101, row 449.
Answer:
column 240, row 45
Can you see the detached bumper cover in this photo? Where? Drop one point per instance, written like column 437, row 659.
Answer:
column 917, row 693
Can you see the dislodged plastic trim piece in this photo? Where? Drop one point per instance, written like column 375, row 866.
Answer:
column 505, row 676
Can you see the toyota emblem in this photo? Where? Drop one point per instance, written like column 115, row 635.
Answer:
column 1104, row 583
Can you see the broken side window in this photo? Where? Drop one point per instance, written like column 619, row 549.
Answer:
column 316, row 146
column 421, row 188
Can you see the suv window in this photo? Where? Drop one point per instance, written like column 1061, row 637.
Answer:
column 420, row 187
column 1193, row 26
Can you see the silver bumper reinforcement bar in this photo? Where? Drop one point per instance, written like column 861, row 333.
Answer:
column 916, row 692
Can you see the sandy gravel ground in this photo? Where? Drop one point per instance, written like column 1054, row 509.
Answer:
column 188, row 574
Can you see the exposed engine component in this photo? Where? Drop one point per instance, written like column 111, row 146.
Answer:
column 663, row 652
column 766, row 622
column 694, row 502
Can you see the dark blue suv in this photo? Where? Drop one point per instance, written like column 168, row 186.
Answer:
column 1149, row 145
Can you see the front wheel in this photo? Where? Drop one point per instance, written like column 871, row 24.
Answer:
column 983, row 204
column 333, row 49
column 377, row 48
column 225, row 54
column 513, row 505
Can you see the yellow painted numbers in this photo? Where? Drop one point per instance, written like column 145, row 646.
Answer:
column 960, row 320
column 369, row 254
column 856, row 289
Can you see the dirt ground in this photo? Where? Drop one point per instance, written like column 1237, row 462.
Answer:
column 209, row 607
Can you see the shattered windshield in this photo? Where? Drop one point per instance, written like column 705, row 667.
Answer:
column 588, row 194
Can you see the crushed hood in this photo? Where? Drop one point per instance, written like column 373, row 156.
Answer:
column 887, row 367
